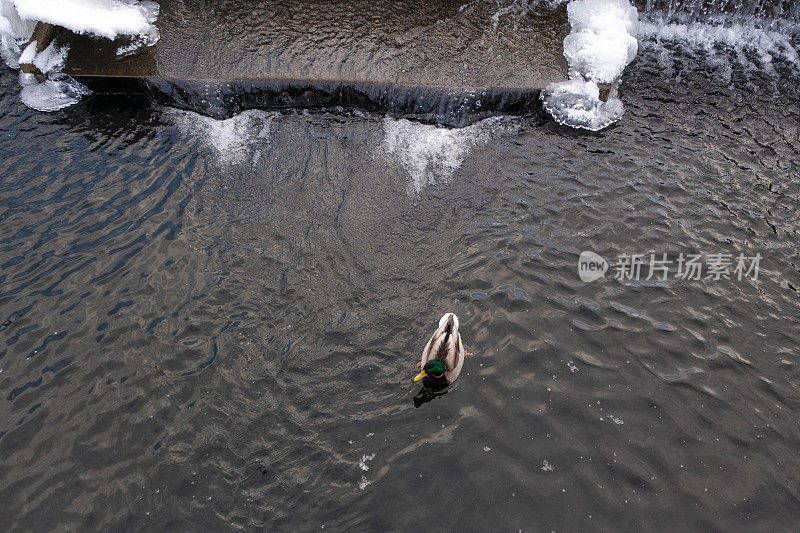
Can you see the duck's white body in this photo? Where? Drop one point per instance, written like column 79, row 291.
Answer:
column 446, row 345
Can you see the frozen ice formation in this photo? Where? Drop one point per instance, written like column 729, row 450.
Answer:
column 105, row 18
column 58, row 90
column 52, row 94
column 14, row 33
column 600, row 45
column 577, row 103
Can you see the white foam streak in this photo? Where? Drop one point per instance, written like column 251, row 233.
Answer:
column 362, row 465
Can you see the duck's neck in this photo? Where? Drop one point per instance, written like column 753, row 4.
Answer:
column 433, row 382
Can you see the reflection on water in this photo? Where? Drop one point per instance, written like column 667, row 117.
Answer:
column 426, row 395
column 193, row 336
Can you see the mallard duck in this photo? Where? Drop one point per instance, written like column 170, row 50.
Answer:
column 443, row 356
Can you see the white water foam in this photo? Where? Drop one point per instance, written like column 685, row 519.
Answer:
column 431, row 154
column 601, row 43
column 517, row 9
column 362, row 465
column 236, row 140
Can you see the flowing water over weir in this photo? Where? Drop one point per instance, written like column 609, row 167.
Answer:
column 787, row 9
column 445, row 61
column 213, row 324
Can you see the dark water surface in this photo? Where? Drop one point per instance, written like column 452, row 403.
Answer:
column 212, row 325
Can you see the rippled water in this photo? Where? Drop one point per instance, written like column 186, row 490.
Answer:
column 212, row 325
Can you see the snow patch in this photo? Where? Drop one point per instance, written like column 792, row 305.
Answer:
column 48, row 60
column 106, row 18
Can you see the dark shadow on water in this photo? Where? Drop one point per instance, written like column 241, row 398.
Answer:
column 426, row 395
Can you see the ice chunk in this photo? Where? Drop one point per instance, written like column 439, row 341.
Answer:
column 601, row 43
column 58, row 90
column 29, row 54
column 52, row 94
column 577, row 103
column 599, row 57
column 603, row 38
column 603, row 16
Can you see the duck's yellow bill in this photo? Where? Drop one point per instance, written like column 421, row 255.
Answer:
column 420, row 376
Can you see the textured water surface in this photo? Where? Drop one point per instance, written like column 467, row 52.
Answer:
column 209, row 325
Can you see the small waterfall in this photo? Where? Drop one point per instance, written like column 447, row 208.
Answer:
column 698, row 9
column 725, row 39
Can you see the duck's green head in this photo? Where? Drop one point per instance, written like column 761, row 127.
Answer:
column 433, row 368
